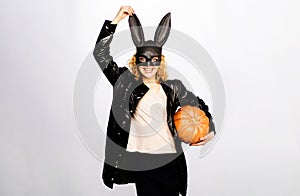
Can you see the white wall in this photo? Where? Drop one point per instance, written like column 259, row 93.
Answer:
column 255, row 45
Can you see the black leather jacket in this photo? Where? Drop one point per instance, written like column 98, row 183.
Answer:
column 127, row 92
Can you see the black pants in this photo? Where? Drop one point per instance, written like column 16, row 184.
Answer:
column 161, row 181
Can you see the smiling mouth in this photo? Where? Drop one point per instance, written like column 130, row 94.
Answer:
column 148, row 70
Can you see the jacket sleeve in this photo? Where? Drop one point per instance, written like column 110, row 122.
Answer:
column 185, row 97
column 102, row 53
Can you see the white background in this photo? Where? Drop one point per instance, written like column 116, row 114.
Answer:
column 255, row 45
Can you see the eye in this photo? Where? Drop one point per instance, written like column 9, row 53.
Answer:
column 154, row 59
column 142, row 59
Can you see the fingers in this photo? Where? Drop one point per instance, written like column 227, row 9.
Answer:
column 131, row 11
column 123, row 12
column 127, row 10
column 204, row 139
column 200, row 143
column 209, row 136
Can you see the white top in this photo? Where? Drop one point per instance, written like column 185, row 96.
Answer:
column 149, row 131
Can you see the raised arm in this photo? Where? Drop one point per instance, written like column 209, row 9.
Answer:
column 102, row 48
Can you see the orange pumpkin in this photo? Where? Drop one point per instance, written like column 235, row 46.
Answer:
column 191, row 124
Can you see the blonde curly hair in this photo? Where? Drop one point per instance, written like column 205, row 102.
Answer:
column 161, row 74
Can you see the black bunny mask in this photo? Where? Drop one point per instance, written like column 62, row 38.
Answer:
column 149, row 52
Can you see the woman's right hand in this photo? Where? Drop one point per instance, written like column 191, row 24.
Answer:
column 123, row 12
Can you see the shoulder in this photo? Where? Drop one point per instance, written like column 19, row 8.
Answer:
column 174, row 84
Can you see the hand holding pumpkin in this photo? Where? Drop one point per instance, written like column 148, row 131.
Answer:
column 204, row 139
column 192, row 126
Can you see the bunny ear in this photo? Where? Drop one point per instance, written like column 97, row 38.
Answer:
column 136, row 30
column 163, row 30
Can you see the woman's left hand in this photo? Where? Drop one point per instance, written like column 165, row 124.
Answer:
column 204, row 139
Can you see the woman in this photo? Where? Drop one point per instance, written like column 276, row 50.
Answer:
column 142, row 146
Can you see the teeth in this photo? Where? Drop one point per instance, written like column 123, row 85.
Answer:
column 148, row 70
